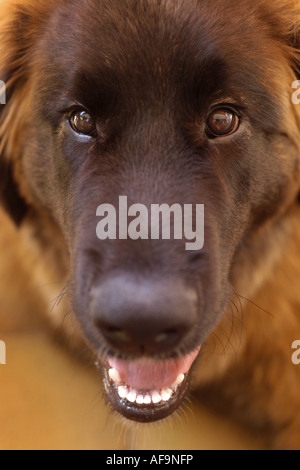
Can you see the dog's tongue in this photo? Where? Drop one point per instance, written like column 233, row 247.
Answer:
column 151, row 374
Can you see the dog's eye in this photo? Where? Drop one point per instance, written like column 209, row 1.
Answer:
column 222, row 122
column 83, row 123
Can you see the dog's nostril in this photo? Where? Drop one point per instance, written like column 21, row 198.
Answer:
column 114, row 333
column 119, row 335
column 166, row 335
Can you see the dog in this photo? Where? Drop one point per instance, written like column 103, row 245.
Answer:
column 162, row 102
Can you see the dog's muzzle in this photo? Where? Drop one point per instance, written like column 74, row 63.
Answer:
column 148, row 331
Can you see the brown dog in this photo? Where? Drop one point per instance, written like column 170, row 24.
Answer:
column 175, row 102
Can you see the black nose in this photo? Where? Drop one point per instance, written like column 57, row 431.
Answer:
column 144, row 316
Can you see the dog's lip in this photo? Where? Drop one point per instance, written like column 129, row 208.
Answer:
column 145, row 389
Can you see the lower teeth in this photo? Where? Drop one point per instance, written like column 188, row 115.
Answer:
column 146, row 397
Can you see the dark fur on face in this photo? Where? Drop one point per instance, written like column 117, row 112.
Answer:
column 150, row 73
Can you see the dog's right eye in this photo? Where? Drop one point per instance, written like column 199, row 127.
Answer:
column 82, row 123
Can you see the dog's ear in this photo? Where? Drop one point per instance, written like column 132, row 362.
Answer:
column 11, row 71
column 283, row 20
column 10, row 197
column 21, row 23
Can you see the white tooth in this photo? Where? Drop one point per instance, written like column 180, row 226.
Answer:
column 114, row 375
column 156, row 398
column 166, row 394
column 123, row 392
column 178, row 381
column 140, row 399
column 147, row 399
column 131, row 396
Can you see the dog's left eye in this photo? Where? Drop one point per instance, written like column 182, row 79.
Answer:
column 222, row 122
column 83, row 123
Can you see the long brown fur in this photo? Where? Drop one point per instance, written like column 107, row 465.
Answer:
column 246, row 367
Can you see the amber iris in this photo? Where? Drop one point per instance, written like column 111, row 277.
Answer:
column 222, row 122
column 83, row 123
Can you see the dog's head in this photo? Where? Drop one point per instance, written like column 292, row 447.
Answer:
column 150, row 102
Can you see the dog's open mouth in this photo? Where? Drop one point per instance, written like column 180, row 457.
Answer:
column 145, row 389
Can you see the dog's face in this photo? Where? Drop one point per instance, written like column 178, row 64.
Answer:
column 163, row 102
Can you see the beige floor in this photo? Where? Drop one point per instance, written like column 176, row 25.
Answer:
column 50, row 401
